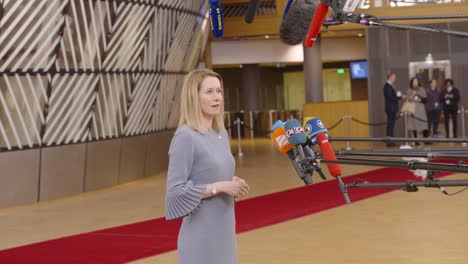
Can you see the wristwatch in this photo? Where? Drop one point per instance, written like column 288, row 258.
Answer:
column 213, row 189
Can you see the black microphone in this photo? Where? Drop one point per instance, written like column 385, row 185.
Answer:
column 296, row 21
column 251, row 11
column 296, row 136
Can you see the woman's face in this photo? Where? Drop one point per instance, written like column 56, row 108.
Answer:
column 415, row 83
column 434, row 85
column 210, row 96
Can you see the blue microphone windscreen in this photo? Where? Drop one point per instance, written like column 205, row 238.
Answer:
column 276, row 125
column 295, row 132
column 315, row 126
column 217, row 20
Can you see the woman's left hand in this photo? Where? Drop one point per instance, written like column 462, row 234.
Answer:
column 235, row 178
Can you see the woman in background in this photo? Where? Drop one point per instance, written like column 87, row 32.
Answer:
column 201, row 185
column 433, row 108
column 417, row 94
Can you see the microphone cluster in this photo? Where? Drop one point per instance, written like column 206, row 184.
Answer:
column 298, row 142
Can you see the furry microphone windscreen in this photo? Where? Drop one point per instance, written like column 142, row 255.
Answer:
column 296, row 22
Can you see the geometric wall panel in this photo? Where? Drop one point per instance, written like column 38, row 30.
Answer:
column 74, row 71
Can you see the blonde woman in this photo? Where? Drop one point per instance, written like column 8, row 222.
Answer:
column 201, row 185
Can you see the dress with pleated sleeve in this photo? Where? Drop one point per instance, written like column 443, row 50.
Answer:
column 207, row 234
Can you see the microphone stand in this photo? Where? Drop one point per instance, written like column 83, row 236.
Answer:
column 400, row 139
column 312, row 161
column 341, row 17
column 420, row 154
column 303, row 174
column 411, row 186
column 412, row 165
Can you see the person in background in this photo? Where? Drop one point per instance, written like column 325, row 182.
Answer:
column 433, row 108
column 417, row 94
column 201, row 185
column 449, row 98
column 391, row 104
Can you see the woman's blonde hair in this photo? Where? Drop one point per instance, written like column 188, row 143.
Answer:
column 190, row 110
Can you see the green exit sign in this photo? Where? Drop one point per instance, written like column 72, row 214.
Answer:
column 340, row 71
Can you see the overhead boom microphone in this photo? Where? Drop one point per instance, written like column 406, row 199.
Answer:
column 216, row 18
column 296, row 20
column 251, row 11
column 351, row 5
column 315, row 25
column 286, row 9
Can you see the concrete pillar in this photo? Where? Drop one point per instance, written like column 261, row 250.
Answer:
column 313, row 73
column 250, row 87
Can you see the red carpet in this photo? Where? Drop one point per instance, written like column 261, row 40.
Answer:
column 134, row 241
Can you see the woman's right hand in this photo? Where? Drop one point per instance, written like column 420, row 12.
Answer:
column 234, row 188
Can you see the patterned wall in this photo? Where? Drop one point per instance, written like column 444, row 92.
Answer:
column 76, row 71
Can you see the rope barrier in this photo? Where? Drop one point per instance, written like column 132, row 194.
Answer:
column 368, row 124
column 258, row 131
column 418, row 119
column 335, row 125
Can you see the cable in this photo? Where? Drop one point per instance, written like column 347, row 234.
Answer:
column 423, row 17
column 363, row 181
column 458, row 192
column 421, row 28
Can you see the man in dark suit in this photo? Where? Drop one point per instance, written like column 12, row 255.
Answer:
column 449, row 98
column 391, row 104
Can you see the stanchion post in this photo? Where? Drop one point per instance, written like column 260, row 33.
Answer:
column 346, row 118
column 230, row 125
column 270, row 118
column 463, row 123
column 251, row 124
column 406, row 126
column 239, row 149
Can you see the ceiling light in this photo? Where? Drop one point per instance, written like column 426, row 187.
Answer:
column 429, row 60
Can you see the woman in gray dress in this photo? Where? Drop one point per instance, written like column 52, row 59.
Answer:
column 417, row 94
column 201, row 185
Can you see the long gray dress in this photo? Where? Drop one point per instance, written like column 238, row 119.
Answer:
column 420, row 109
column 207, row 234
